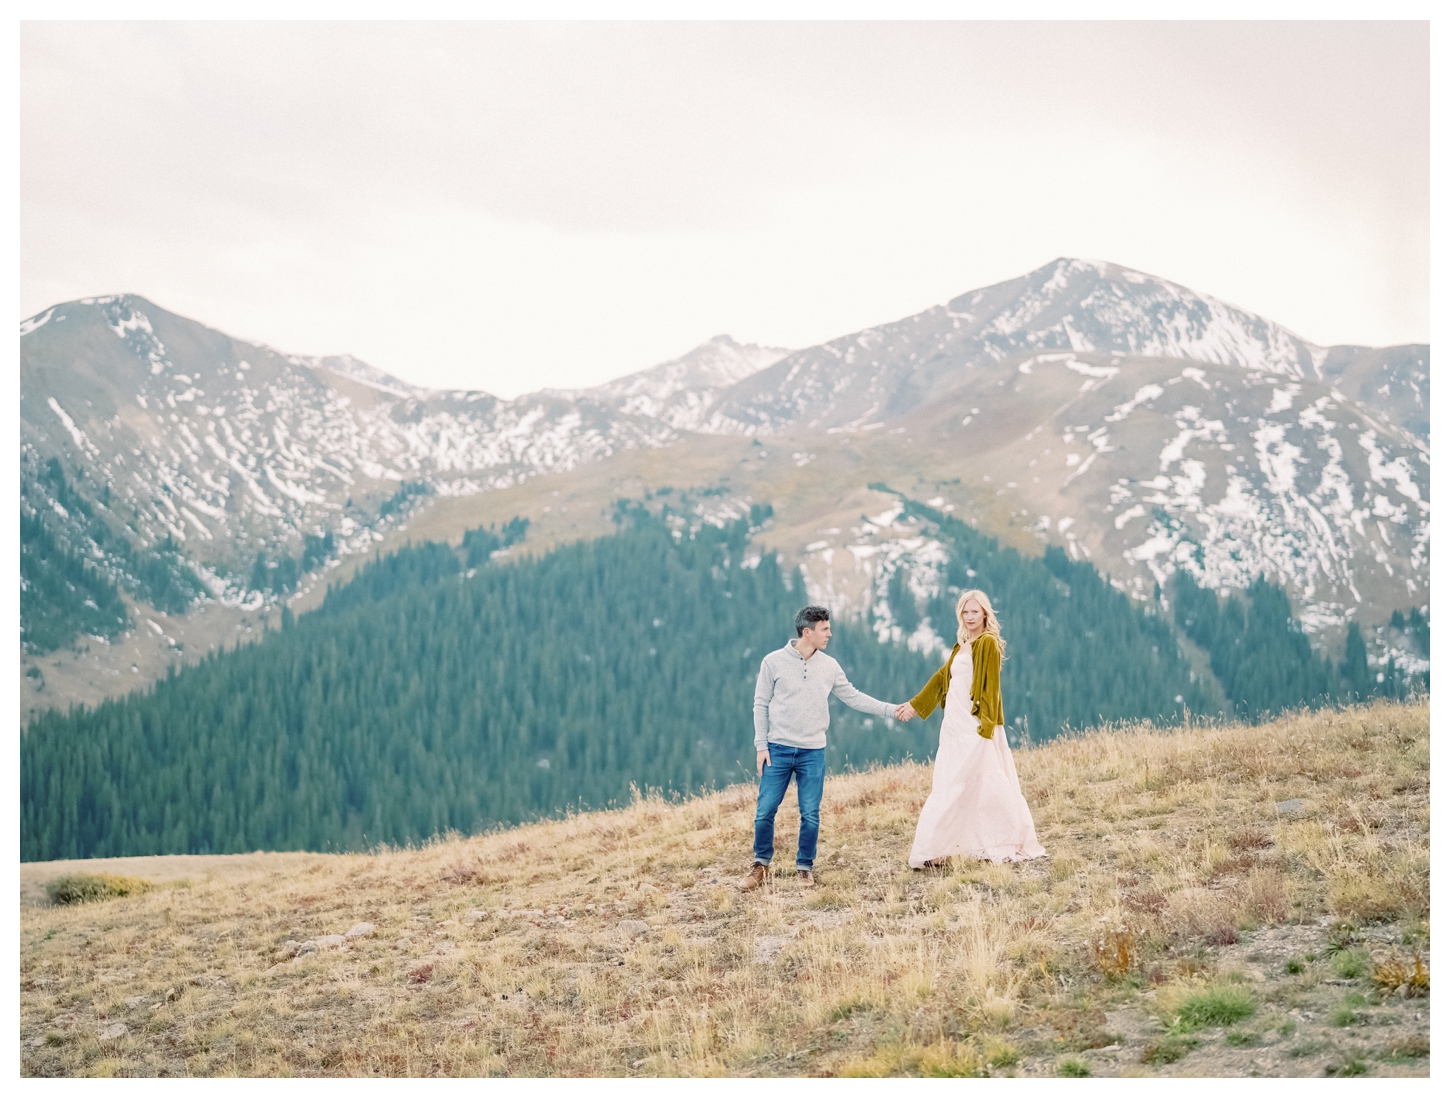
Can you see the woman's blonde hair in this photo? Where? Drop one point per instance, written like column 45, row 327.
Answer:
column 993, row 626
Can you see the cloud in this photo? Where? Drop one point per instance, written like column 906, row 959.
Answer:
column 511, row 205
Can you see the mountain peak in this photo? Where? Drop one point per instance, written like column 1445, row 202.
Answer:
column 1092, row 305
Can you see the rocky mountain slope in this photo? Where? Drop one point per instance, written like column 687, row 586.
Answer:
column 1140, row 425
column 225, row 446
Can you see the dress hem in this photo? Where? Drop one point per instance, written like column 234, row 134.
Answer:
column 996, row 856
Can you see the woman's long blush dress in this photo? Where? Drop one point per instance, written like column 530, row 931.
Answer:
column 976, row 808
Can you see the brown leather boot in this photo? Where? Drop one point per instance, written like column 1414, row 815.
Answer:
column 754, row 879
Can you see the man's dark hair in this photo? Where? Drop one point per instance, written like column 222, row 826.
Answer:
column 807, row 616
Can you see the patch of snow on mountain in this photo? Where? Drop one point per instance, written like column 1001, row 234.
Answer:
column 37, row 321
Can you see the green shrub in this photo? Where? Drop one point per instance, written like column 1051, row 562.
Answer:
column 1294, row 968
column 1239, row 1038
column 1073, row 1069
column 81, row 888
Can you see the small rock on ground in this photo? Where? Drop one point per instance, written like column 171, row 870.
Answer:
column 361, row 930
column 634, row 927
column 114, row 1032
column 475, row 916
column 1288, row 808
column 330, row 941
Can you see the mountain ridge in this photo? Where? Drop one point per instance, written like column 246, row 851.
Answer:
column 228, row 449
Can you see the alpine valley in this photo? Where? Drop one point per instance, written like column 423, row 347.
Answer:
column 179, row 487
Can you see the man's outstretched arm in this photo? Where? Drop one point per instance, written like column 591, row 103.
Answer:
column 858, row 700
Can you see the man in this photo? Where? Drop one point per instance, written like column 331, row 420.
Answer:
column 791, row 716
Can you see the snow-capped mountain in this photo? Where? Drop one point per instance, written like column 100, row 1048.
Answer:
column 223, row 445
column 1147, row 466
column 1069, row 305
column 1135, row 422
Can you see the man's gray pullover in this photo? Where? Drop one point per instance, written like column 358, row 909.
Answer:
column 790, row 698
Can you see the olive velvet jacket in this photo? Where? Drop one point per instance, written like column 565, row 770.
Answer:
column 986, row 685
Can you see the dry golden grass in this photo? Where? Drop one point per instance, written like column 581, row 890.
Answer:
column 614, row 943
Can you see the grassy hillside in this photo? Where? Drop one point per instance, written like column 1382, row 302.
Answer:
column 1225, row 900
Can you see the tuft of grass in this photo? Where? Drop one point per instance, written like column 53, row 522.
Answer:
column 828, row 899
column 842, row 1011
column 1343, row 1015
column 1407, row 1048
column 1372, row 898
column 1347, row 1068
column 1294, row 968
column 1351, row 963
column 999, row 1052
column 1221, row 1003
column 1169, row 1049
column 1073, row 1068
column 1240, row 1038
column 943, row 1060
column 82, row 888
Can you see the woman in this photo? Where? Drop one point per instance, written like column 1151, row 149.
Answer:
column 976, row 808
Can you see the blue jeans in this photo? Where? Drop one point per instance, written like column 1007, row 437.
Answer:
column 808, row 764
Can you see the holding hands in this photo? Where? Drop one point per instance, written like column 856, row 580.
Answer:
column 904, row 712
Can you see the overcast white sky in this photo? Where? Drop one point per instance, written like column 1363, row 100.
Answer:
column 509, row 206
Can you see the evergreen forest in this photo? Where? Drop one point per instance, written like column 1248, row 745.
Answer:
column 74, row 563
column 61, row 593
column 1260, row 655
column 459, row 688
column 450, row 702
